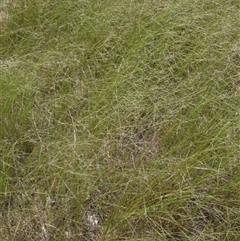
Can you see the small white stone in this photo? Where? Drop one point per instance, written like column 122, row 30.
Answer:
column 92, row 219
column 50, row 201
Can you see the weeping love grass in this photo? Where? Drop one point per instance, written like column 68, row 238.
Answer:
column 120, row 120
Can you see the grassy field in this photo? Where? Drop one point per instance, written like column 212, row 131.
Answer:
column 120, row 120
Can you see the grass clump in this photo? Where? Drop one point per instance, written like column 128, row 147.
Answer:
column 120, row 120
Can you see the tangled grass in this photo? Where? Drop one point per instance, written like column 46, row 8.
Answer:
column 120, row 120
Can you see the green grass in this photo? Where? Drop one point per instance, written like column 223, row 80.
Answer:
column 126, row 113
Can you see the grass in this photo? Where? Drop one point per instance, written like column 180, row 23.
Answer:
column 120, row 120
